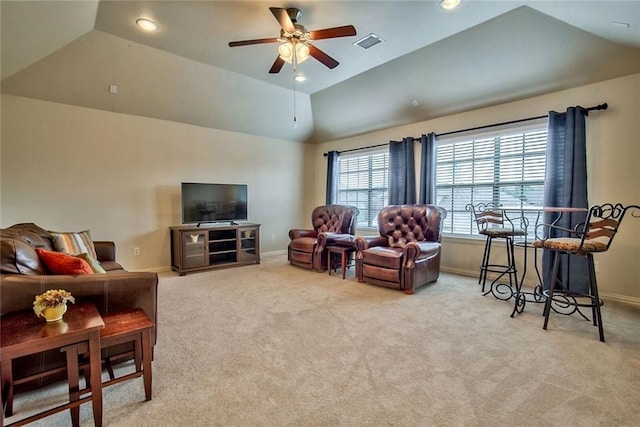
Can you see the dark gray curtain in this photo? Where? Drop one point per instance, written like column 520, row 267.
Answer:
column 332, row 177
column 566, row 186
column 427, row 192
column 402, row 173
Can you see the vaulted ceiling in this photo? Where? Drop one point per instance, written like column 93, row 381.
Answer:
column 432, row 62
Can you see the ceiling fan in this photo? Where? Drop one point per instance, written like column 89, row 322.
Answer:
column 294, row 40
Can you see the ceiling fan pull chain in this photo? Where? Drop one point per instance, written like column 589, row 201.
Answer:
column 295, row 121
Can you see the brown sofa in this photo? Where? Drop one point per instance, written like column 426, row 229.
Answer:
column 406, row 255
column 331, row 224
column 24, row 276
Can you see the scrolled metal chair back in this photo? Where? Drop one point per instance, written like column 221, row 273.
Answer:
column 486, row 215
column 603, row 221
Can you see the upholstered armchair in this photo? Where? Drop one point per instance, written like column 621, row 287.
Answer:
column 331, row 223
column 406, row 255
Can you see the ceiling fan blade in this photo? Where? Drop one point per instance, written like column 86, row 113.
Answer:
column 283, row 18
column 329, row 33
column 277, row 66
column 322, row 57
column 249, row 42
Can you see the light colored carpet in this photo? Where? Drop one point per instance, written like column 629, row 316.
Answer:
column 276, row 345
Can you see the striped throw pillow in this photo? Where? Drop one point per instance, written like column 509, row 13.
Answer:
column 93, row 263
column 73, row 243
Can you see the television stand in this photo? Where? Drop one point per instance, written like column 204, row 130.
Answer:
column 195, row 248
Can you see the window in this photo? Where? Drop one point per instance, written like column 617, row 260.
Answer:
column 363, row 183
column 505, row 167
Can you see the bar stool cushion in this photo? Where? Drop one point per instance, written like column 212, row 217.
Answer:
column 571, row 244
column 498, row 232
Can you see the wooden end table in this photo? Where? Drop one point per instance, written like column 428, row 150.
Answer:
column 22, row 334
column 119, row 327
column 344, row 252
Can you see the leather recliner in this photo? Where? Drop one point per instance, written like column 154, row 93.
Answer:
column 332, row 224
column 406, row 255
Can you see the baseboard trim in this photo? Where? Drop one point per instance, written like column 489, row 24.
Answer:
column 603, row 295
column 274, row 253
column 620, row 298
column 167, row 268
column 162, row 269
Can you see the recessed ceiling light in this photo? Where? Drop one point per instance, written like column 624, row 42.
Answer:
column 300, row 78
column 147, row 24
column 449, row 4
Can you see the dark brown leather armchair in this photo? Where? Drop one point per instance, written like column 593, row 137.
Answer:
column 331, row 223
column 406, row 255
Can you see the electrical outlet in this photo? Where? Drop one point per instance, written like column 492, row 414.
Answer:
column 136, row 251
column 596, row 267
column 273, row 237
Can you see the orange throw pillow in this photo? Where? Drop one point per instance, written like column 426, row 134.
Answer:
column 60, row 263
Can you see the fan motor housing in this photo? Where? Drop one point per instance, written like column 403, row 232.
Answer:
column 294, row 14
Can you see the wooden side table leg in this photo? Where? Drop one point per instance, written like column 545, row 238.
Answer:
column 344, row 263
column 73, row 379
column 138, row 352
column 96, row 377
column 146, row 361
column 7, row 387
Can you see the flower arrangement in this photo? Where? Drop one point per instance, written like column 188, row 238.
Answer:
column 51, row 298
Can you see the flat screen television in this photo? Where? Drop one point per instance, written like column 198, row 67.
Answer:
column 203, row 202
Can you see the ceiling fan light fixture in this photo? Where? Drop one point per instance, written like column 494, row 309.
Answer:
column 288, row 51
column 449, row 4
column 302, row 52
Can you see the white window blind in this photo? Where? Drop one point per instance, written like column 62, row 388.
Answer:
column 363, row 182
column 505, row 167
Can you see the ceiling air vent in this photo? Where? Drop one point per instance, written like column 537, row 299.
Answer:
column 368, row 41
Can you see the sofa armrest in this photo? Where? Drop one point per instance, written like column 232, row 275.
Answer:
column 106, row 251
column 339, row 239
column 109, row 292
column 418, row 251
column 295, row 233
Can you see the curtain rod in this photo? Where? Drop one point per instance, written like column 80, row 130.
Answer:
column 528, row 119
column 603, row 106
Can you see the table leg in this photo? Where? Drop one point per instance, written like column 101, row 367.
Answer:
column 7, row 387
column 343, row 259
column 73, row 379
column 146, row 360
column 96, row 376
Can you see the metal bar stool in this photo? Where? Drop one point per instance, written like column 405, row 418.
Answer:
column 493, row 224
column 594, row 235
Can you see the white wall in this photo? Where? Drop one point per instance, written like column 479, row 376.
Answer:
column 613, row 153
column 72, row 168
